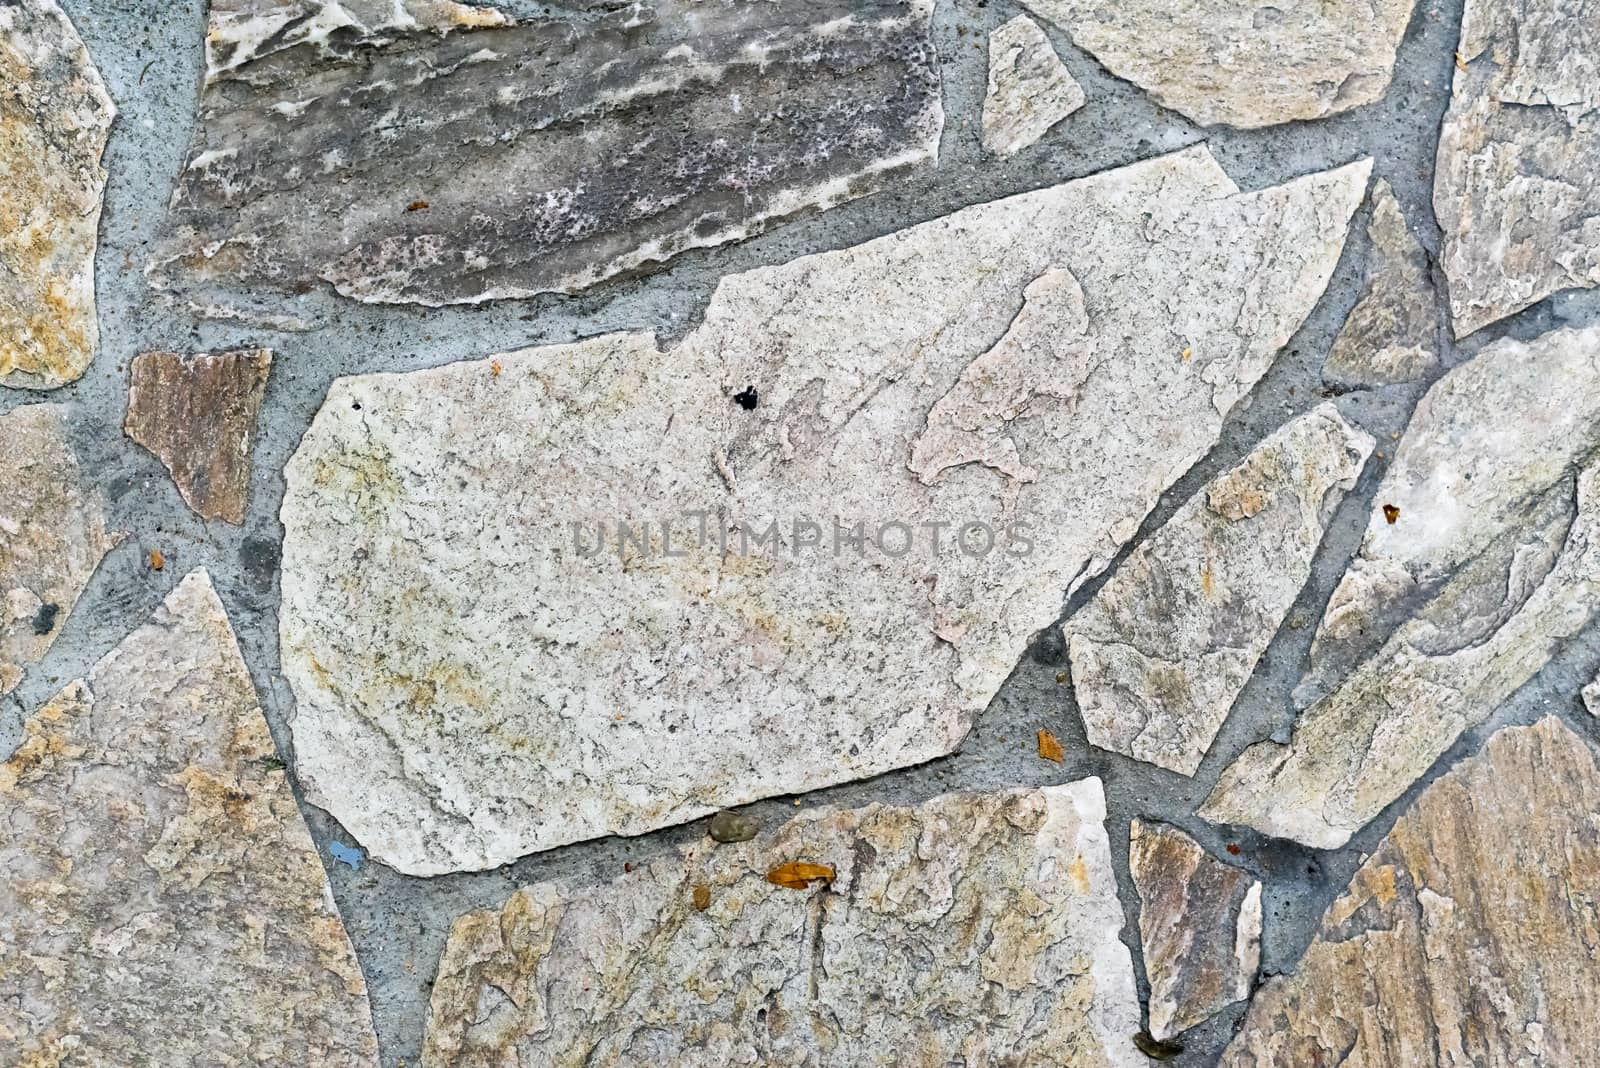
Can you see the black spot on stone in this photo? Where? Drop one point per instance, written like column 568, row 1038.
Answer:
column 747, row 398
column 44, row 620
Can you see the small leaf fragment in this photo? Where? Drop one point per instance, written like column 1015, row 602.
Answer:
column 1154, row 1048
column 417, row 205
column 157, row 561
column 1391, row 513
column 702, row 897
column 798, row 875
column 1050, row 747
column 1461, row 64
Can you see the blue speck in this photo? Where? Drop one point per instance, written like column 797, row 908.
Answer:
column 345, row 855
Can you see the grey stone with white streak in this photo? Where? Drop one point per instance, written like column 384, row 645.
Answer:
column 1245, row 63
column 56, row 116
column 52, row 535
column 1030, row 89
column 1161, row 653
column 1392, row 334
column 972, row 928
column 431, row 152
column 1517, row 181
column 471, row 688
column 1491, row 436
column 1199, row 923
column 1489, row 629
column 164, row 904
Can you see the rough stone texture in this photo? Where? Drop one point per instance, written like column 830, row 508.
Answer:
column 973, row 928
column 198, row 415
column 1467, row 937
column 1392, row 334
column 1199, row 923
column 1489, row 441
column 500, row 692
column 1162, row 651
column 1516, row 186
column 1486, row 632
column 1591, row 697
column 430, row 152
column 52, row 535
column 164, row 904
column 55, row 117
column 1245, row 63
column 1029, row 88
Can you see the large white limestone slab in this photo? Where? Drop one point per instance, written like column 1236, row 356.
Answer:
column 472, row 687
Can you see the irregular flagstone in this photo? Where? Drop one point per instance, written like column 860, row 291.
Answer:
column 1030, row 89
column 1485, row 634
column 1200, row 924
column 437, row 153
column 1591, row 697
column 1161, row 653
column 1245, row 63
column 476, row 680
column 163, row 897
column 198, row 415
column 52, row 535
column 1467, row 937
column 1516, row 184
column 973, row 928
column 56, row 117
column 1392, row 334
column 1495, row 434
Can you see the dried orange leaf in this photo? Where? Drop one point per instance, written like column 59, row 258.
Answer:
column 702, row 897
column 797, row 875
column 1391, row 513
column 1461, row 64
column 417, row 205
column 157, row 561
column 1049, row 747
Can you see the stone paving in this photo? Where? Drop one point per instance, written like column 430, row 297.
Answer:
column 859, row 532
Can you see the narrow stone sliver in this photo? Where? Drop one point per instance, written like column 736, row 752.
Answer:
column 521, row 687
column 1162, row 651
column 1030, row 90
column 163, row 900
column 972, row 926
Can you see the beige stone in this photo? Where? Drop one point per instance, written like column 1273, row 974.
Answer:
column 163, row 901
column 1030, row 89
column 1467, row 938
column 55, row 116
column 972, row 928
column 52, row 535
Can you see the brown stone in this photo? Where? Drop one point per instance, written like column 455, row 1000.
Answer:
column 1468, row 937
column 1200, row 923
column 198, row 415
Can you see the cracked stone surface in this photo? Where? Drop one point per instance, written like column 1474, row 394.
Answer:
column 1491, row 437
column 1491, row 626
column 52, row 535
column 55, row 116
column 1200, row 926
column 1516, row 187
column 198, row 415
column 1245, row 63
column 431, row 152
column 1591, row 697
column 1467, row 937
column 1392, row 334
column 1029, row 88
column 519, row 687
column 1163, row 650
column 163, row 898
column 972, row 928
